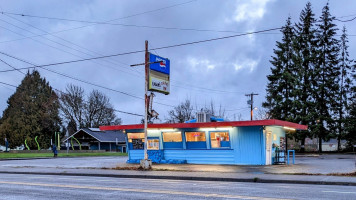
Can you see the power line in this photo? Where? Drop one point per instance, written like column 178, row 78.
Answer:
column 137, row 26
column 74, row 78
column 140, row 51
column 120, row 111
column 11, row 66
column 73, row 20
column 349, row 20
column 56, row 43
column 60, row 90
column 125, row 17
column 83, row 81
column 126, row 25
column 89, row 83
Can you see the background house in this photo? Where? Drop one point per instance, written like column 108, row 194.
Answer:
column 94, row 139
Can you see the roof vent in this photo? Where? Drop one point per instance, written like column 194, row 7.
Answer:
column 203, row 117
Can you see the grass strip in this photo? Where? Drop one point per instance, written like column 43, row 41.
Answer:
column 45, row 155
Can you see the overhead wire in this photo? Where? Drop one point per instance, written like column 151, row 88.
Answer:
column 140, row 51
column 125, row 112
column 129, row 16
column 70, row 42
column 125, row 17
column 11, row 66
column 58, row 44
column 93, row 84
column 197, row 88
column 138, row 26
column 97, row 53
column 83, row 81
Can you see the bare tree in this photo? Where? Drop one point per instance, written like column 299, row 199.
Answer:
column 79, row 113
column 72, row 106
column 99, row 111
column 212, row 111
column 181, row 113
column 262, row 114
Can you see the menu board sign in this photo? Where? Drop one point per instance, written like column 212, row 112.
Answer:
column 137, row 144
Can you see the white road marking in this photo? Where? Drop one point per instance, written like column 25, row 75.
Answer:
column 341, row 192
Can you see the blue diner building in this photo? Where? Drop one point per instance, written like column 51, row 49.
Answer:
column 234, row 142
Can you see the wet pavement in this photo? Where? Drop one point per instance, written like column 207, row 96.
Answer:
column 323, row 164
column 102, row 167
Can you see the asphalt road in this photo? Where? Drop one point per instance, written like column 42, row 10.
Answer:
column 16, row 186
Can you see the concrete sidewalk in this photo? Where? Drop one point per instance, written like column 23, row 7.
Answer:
column 199, row 176
column 102, row 166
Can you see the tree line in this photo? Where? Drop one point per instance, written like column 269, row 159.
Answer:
column 36, row 109
column 312, row 80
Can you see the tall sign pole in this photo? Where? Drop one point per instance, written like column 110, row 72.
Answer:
column 251, row 103
column 157, row 70
column 146, row 102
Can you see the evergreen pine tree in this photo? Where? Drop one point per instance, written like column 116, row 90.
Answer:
column 345, row 65
column 350, row 124
column 304, row 59
column 32, row 111
column 280, row 88
column 325, row 81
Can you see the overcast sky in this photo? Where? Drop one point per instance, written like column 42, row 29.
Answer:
column 221, row 71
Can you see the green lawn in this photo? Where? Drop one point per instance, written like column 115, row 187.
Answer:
column 41, row 155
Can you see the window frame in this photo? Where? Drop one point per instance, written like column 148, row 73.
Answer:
column 223, row 131
column 189, row 144
column 167, row 143
column 154, row 138
column 130, row 145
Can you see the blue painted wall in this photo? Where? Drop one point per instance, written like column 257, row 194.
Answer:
column 247, row 147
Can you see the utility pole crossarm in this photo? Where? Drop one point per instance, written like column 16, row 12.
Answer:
column 251, row 95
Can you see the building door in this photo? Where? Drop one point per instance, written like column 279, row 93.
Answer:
column 268, row 148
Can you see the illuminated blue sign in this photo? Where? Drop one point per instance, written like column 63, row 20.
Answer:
column 159, row 64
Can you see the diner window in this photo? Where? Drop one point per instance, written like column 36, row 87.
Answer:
column 153, row 143
column 172, row 140
column 220, row 139
column 136, row 140
column 195, row 140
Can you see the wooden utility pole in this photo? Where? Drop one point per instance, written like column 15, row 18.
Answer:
column 146, row 98
column 146, row 163
column 251, row 103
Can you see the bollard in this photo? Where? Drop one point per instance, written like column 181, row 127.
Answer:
column 288, row 156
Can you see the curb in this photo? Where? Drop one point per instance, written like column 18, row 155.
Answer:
column 251, row 180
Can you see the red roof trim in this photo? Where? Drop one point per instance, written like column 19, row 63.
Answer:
column 269, row 122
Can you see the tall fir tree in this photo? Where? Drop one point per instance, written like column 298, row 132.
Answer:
column 326, row 77
column 280, row 89
column 350, row 124
column 304, row 59
column 343, row 103
column 32, row 111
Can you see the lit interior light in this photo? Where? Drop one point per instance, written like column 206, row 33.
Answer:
column 288, row 128
column 168, row 129
column 214, row 129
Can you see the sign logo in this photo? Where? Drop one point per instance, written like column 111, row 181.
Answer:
column 159, row 64
column 162, row 64
column 159, row 74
